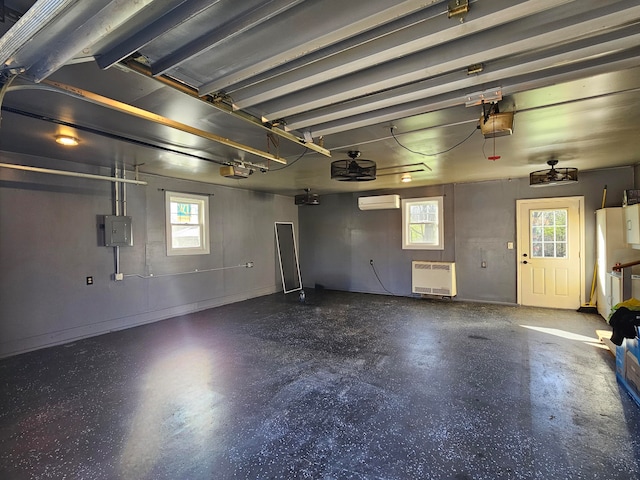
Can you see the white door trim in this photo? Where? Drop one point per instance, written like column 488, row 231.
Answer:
column 519, row 249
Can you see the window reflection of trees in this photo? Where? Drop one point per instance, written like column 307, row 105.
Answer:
column 549, row 233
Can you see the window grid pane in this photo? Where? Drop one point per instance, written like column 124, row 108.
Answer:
column 186, row 224
column 185, row 236
column 182, row 212
column 423, row 223
column 548, row 233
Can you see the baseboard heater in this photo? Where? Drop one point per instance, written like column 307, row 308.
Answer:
column 433, row 278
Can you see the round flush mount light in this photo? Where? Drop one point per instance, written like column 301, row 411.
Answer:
column 67, row 140
column 406, row 178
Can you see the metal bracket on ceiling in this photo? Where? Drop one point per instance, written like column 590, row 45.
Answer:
column 271, row 124
column 475, row 68
column 487, row 112
column 487, row 96
column 458, row 8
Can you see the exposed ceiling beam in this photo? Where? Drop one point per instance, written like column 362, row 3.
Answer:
column 223, row 106
column 314, row 36
column 53, row 32
column 383, row 30
column 201, row 45
column 390, row 114
column 539, row 64
column 159, row 119
column 443, row 60
column 442, row 30
column 187, row 10
column 37, row 19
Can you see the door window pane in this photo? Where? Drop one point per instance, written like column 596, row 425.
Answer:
column 548, row 233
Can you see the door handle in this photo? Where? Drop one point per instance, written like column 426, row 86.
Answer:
column 525, row 262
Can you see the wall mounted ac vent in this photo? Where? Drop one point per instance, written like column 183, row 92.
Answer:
column 433, row 278
column 379, row 202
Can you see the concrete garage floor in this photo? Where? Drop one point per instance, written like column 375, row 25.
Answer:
column 346, row 386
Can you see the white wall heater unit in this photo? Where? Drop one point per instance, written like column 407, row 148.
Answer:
column 433, row 278
column 379, row 202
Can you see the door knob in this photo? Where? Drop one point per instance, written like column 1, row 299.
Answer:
column 525, row 262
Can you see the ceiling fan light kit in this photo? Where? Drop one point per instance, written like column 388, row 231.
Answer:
column 353, row 170
column 553, row 176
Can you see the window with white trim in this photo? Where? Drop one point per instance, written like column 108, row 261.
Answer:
column 423, row 223
column 187, row 223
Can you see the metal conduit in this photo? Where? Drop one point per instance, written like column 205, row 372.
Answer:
column 71, row 174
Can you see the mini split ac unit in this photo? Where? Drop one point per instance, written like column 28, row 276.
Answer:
column 379, row 202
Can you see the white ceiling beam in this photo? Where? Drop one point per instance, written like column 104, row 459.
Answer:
column 181, row 13
column 427, row 34
column 383, row 30
column 444, row 59
column 75, row 31
column 541, row 63
column 454, row 99
column 34, row 21
column 313, row 36
column 201, row 45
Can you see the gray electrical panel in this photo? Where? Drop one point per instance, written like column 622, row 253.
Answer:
column 118, row 231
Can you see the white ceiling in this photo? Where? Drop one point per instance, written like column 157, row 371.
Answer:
column 159, row 84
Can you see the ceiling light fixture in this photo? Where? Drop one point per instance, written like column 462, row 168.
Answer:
column 553, row 176
column 406, row 178
column 353, row 170
column 67, row 140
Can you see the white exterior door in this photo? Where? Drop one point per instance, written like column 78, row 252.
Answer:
column 550, row 242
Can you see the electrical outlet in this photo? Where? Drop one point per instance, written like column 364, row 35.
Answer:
column 89, row 280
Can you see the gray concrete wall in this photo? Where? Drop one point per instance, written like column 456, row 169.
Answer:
column 337, row 240
column 50, row 241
